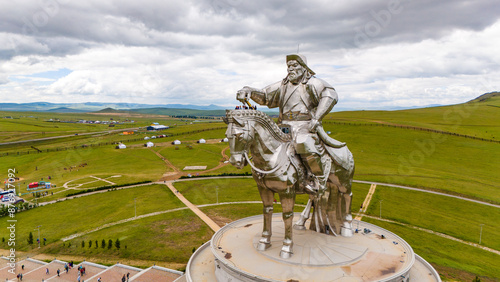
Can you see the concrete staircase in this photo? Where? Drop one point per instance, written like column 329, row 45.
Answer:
column 35, row 270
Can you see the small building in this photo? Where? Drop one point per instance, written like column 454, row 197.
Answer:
column 201, row 141
column 149, row 144
column 146, row 138
column 156, row 127
column 176, row 142
column 121, row 146
column 224, row 140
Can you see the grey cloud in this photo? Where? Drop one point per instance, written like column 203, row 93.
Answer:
column 282, row 24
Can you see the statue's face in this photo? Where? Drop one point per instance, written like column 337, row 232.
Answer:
column 295, row 71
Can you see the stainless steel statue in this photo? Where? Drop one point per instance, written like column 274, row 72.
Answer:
column 302, row 160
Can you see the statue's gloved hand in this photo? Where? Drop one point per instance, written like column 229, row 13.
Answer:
column 243, row 94
column 313, row 125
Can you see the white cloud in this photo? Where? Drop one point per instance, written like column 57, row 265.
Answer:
column 161, row 52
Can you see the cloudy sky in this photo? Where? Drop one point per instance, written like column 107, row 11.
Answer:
column 379, row 53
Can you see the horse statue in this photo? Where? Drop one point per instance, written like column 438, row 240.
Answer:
column 277, row 169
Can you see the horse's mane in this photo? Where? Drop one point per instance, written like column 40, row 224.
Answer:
column 261, row 118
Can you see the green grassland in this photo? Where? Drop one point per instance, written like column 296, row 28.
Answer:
column 202, row 192
column 454, row 217
column 450, row 163
column 199, row 155
column 168, row 237
column 68, row 217
column 475, row 118
column 390, row 154
column 133, row 165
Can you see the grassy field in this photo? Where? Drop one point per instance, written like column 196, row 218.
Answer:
column 389, row 154
column 82, row 214
column 451, row 216
column 203, row 192
column 132, row 164
column 168, row 237
column 395, row 155
column 200, row 155
column 479, row 119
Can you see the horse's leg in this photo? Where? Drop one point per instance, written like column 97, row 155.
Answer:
column 304, row 216
column 267, row 197
column 287, row 199
column 345, row 188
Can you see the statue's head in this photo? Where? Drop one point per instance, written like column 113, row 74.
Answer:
column 297, row 68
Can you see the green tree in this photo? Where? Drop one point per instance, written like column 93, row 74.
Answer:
column 90, row 244
column 476, row 279
column 96, row 244
column 117, row 243
column 110, row 244
column 83, row 244
column 30, row 239
column 103, row 243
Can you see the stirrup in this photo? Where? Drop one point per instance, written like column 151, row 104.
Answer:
column 311, row 189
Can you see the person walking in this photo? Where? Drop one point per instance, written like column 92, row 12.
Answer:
column 58, row 271
column 123, row 278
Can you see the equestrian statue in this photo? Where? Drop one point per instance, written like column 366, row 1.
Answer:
column 295, row 155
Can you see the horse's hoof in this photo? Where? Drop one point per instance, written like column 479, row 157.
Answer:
column 299, row 227
column 263, row 246
column 285, row 255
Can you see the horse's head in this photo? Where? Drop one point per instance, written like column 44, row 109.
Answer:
column 238, row 134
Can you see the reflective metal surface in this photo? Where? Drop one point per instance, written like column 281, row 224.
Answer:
column 315, row 163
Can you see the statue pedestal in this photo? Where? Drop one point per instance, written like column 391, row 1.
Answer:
column 232, row 255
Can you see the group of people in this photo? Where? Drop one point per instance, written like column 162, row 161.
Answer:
column 254, row 107
column 125, row 278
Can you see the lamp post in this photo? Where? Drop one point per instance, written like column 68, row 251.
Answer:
column 38, row 228
column 480, row 233
column 380, row 208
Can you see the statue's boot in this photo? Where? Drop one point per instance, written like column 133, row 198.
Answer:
column 320, row 168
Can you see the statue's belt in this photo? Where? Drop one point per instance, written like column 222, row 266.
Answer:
column 295, row 116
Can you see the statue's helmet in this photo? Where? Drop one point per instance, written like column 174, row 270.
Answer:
column 301, row 59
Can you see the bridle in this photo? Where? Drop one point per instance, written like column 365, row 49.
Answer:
column 282, row 158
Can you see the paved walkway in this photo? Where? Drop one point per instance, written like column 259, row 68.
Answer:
column 366, row 203
column 194, row 208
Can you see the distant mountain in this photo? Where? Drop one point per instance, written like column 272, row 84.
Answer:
column 110, row 110
column 173, row 109
column 485, row 97
column 65, row 110
column 179, row 112
column 94, row 106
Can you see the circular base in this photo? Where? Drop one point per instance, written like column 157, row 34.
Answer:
column 366, row 256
